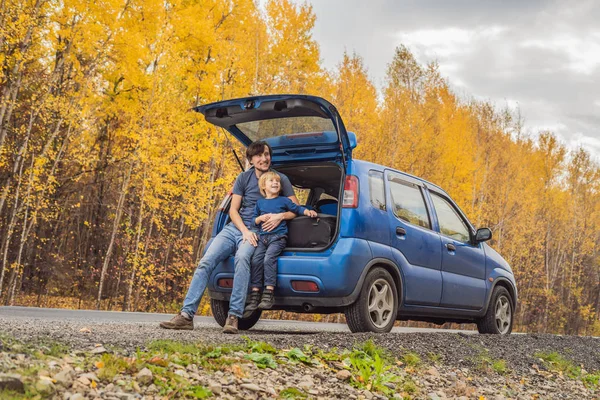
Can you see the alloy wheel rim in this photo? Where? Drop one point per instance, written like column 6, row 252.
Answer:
column 381, row 303
column 503, row 314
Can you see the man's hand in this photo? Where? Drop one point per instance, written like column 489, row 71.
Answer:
column 251, row 237
column 272, row 222
column 310, row 213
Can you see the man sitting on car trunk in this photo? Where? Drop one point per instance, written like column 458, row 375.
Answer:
column 238, row 237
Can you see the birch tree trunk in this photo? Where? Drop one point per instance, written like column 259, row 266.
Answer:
column 134, row 267
column 116, row 223
column 11, row 225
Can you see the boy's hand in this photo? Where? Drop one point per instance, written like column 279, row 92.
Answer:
column 263, row 218
column 310, row 213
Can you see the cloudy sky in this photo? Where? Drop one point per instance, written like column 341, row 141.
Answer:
column 543, row 56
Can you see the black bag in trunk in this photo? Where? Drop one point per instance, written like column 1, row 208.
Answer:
column 306, row 232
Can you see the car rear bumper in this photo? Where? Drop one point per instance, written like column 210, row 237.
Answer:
column 336, row 271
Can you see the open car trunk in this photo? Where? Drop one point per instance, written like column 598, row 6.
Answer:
column 321, row 187
column 318, row 186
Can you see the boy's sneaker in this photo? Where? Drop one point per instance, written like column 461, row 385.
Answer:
column 231, row 325
column 253, row 304
column 267, row 300
column 178, row 322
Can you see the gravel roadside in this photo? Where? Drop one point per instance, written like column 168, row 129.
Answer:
column 452, row 365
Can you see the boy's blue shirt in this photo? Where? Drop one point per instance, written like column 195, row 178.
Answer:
column 275, row 206
column 246, row 186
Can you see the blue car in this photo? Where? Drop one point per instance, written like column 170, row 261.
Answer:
column 391, row 246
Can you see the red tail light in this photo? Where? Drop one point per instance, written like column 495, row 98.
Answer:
column 350, row 192
column 305, row 286
column 225, row 283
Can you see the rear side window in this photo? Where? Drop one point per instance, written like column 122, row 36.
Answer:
column 376, row 189
column 451, row 224
column 301, row 194
column 408, row 202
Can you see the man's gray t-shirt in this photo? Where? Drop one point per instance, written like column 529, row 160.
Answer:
column 246, row 185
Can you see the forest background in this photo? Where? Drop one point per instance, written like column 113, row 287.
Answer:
column 109, row 183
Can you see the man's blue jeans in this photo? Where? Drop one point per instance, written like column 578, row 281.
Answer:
column 224, row 245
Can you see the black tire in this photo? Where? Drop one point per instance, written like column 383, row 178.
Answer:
column 381, row 320
column 499, row 316
column 220, row 309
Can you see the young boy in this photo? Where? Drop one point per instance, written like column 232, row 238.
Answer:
column 270, row 244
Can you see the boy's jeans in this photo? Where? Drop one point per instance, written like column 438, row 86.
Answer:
column 264, row 260
column 223, row 246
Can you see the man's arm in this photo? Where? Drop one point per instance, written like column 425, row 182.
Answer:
column 276, row 219
column 234, row 214
column 294, row 199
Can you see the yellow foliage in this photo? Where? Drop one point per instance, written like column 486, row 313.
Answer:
column 97, row 136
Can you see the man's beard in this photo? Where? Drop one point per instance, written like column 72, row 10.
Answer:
column 262, row 168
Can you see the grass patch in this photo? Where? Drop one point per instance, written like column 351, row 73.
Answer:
column 435, row 358
column 198, row 392
column 292, row 393
column 591, row 380
column 259, row 347
column 485, row 362
column 331, row 355
column 262, row 360
column 209, row 357
column 51, row 349
column 411, row 359
column 499, row 366
column 296, row 355
column 371, row 367
column 31, row 371
column 111, row 365
column 409, row 387
column 556, row 362
column 10, row 394
column 172, row 347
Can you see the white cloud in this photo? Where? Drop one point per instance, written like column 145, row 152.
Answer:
column 583, row 52
column 447, row 42
column 591, row 144
column 539, row 55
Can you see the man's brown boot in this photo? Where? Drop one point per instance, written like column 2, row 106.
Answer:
column 231, row 326
column 178, row 322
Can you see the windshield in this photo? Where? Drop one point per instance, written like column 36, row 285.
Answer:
column 258, row 130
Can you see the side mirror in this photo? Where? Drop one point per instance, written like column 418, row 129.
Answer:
column 483, row 235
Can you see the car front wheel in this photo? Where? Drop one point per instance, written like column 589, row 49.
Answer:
column 377, row 305
column 220, row 309
column 499, row 316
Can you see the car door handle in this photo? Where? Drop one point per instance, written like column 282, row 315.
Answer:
column 450, row 247
column 400, row 231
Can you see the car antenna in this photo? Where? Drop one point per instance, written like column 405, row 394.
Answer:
column 233, row 150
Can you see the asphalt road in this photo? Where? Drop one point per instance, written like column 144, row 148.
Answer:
column 90, row 316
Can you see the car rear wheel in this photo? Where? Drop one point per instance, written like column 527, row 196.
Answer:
column 377, row 305
column 499, row 316
column 220, row 309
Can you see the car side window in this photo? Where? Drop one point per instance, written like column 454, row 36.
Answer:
column 301, row 194
column 376, row 189
column 408, row 202
column 451, row 224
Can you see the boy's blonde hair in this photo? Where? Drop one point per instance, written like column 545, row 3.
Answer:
column 262, row 181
